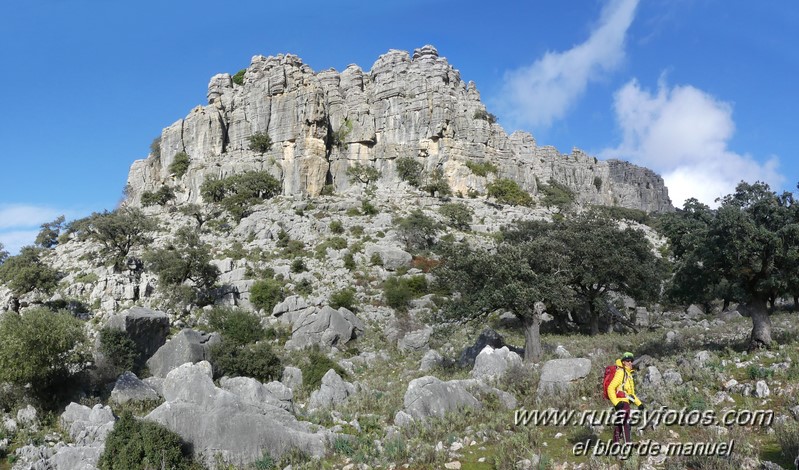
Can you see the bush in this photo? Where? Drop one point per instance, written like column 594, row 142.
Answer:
column 41, row 348
column 458, row 215
column 238, row 78
column 26, row 271
column 236, row 325
column 119, row 349
column 160, row 197
column 260, row 142
column 367, row 208
column 266, row 293
column 598, row 183
column 343, row 298
column 238, row 193
column 557, row 195
column 349, row 261
column 256, row 360
column 328, row 190
column 363, row 174
column 336, row 227
column 179, row 165
column 507, row 191
column 399, row 291
column 410, row 171
column 417, row 230
column 485, row 115
column 316, row 367
column 155, row 147
column 437, row 184
column 339, row 137
column 48, row 236
column 787, row 435
column 298, row 265
column 140, row 444
column 118, row 232
column 482, row 168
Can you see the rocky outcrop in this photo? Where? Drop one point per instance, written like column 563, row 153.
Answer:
column 557, row 375
column 413, row 106
column 147, row 328
column 186, row 346
column 325, row 327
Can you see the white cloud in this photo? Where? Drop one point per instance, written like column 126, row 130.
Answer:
column 683, row 133
column 537, row 94
column 22, row 215
column 14, row 240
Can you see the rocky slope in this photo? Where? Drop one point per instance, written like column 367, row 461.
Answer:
column 405, row 106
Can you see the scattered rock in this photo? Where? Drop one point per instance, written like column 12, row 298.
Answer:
column 186, row 346
column 392, row 257
column 334, row 391
column 558, row 374
column 492, row 364
column 761, row 389
column 431, row 360
column 129, row 388
column 672, row 377
column 326, row 327
column 562, row 353
column 652, row 377
column 416, row 340
column 292, row 377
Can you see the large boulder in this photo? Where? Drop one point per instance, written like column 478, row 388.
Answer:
column 417, row 340
column 147, row 328
column 429, row 396
column 235, row 427
column 325, row 327
column 558, row 374
column 392, row 257
column 492, row 364
column 253, row 391
column 129, row 388
column 334, row 391
column 488, row 337
column 186, row 346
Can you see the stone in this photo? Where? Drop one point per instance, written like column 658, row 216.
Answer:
column 694, row 312
column 147, row 328
column 562, row 353
column 761, row 389
column 492, row 364
column 558, row 374
column 129, row 388
column 428, row 396
column 392, row 257
column 27, row 417
column 326, row 328
column 292, row 377
column 701, row 358
column 430, row 360
column 672, row 377
column 333, row 391
column 256, row 393
column 415, row 340
column 186, row 346
column 488, row 337
column 652, row 377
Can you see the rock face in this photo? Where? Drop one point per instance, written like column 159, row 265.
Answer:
column 147, row 328
column 326, row 327
column 414, row 106
column 235, row 424
column 334, row 391
column 186, row 346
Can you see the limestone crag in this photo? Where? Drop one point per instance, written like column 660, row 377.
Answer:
column 322, row 123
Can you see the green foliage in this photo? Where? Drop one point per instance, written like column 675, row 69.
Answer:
column 376, row 260
column 557, row 195
column 343, row 298
column 119, row 349
column 155, row 147
column 336, row 243
column 410, row 170
column 507, row 191
column 367, row 208
column 316, row 367
column 485, row 115
column 267, row 293
column 598, row 183
column 399, row 291
column 339, row 138
column 624, row 213
column 117, row 232
column 238, row 193
column 186, row 260
column 328, row 190
column 161, row 197
column 235, row 325
column 437, row 184
column 260, row 142
column 25, row 272
column 349, row 261
column 3, row 254
column 366, row 174
column 336, row 227
column 298, row 265
column 457, row 214
column 304, row 287
column 256, row 360
column 787, row 435
column 238, row 78
column 417, row 230
column 482, row 168
column 136, row 444
column 48, row 236
column 41, row 348
column 180, row 164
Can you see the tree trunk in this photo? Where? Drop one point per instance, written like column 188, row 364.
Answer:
column 761, row 324
column 532, row 338
column 594, row 319
column 795, row 303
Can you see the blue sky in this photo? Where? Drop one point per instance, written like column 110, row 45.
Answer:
column 701, row 91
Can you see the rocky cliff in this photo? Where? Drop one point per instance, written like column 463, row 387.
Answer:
column 405, row 106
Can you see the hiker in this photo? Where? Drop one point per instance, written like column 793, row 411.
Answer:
column 621, row 392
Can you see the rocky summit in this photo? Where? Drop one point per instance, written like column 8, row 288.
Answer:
column 407, row 106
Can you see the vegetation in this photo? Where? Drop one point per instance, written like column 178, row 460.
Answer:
column 117, row 232
column 48, row 236
column 336, row 227
column 119, row 350
column 507, row 191
column 260, row 142
column 437, row 184
column 417, row 230
column 338, row 138
column 238, row 193
column 267, row 293
column 482, row 168
column 315, row 367
column 3, row 254
column 410, row 170
column 457, row 214
column 180, row 164
column 155, row 147
column 557, row 195
column 136, row 444
column 238, row 77
column 399, row 291
column 26, row 272
column 343, row 298
column 365, row 174
column 41, row 349
column 485, row 115
column 256, row 360
column 163, row 196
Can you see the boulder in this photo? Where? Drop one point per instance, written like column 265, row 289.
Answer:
column 254, row 392
column 488, row 337
column 186, row 346
column 326, row 327
column 392, row 257
column 129, row 388
column 558, row 374
column 428, row 396
column 292, row 378
column 334, row 391
column 672, row 377
column 652, row 377
column 415, row 340
column 147, row 328
column 492, row 364
column 761, row 389
column 431, row 360
column 219, row 422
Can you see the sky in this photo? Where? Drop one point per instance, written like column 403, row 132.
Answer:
column 701, row 91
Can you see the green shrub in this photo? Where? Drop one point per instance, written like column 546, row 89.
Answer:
column 417, row 230
column 256, row 360
column 458, row 215
column 235, row 325
column 142, row 445
column 366, row 174
column 410, row 170
column 484, row 115
column 336, row 243
column 356, row 230
column 349, row 261
column 260, row 142
column 328, row 190
column 787, row 435
column 376, row 260
column 367, row 208
column 26, row 271
column 160, row 197
column 507, row 191
column 48, row 236
column 339, row 138
column 437, row 184
column 557, row 195
column 117, row 232
column 399, row 291
column 304, row 287
column 155, row 147
column 238, row 193
column 180, row 164
column 316, row 367
column 119, row 349
column 598, row 183
column 343, row 298
column 267, row 293
column 41, row 348
column 336, row 227
column 298, row 265
column 625, row 213
column 482, row 168
column 238, row 78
